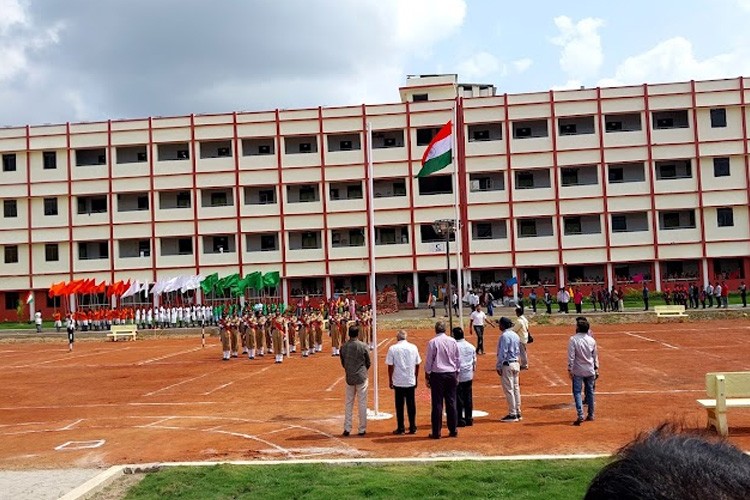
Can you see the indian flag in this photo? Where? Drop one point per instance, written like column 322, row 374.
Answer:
column 439, row 153
column 30, row 298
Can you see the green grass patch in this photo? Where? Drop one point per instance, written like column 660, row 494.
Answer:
column 549, row 479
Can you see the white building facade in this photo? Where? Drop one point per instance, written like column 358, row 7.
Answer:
column 592, row 186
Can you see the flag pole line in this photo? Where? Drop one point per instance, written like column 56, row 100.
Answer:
column 371, row 258
column 458, row 226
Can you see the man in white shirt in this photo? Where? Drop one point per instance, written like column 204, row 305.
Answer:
column 473, row 299
column 464, row 394
column 38, row 321
column 403, row 362
column 521, row 327
column 717, row 294
column 478, row 318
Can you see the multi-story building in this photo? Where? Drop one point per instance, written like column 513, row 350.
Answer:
column 597, row 185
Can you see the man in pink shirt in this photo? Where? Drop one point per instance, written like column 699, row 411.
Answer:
column 442, row 364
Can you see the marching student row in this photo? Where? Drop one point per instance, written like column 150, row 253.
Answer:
column 260, row 331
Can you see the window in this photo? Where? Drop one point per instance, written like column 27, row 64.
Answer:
column 9, row 162
column 183, row 201
column 219, row 199
column 425, row 135
column 670, row 119
column 88, row 250
column 428, row 234
column 725, row 217
column 626, row 122
column 616, row 174
column 51, row 252
column 258, row 147
column 484, row 231
column 11, row 300
column 267, row 196
column 480, row 132
column 619, row 223
column 142, row 202
column 529, row 129
column 268, row 243
column 673, row 169
column 718, row 118
column 391, row 235
column 131, row 154
column 419, row 97
column 49, row 160
column 527, row 227
column 569, row 176
column 435, row 184
column 578, row 125
column 11, row 254
column 50, row 206
column 220, row 244
column 90, row 157
column 721, row 167
column 10, row 209
column 684, row 219
column 53, row 302
column 387, row 139
column 92, row 205
column 307, row 194
column 185, row 246
column 144, row 248
column 524, row 180
column 310, row 240
column 572, row 225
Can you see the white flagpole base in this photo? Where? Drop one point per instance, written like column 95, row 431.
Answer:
column 373, row 415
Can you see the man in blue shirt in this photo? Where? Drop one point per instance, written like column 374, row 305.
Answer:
column 508, row 368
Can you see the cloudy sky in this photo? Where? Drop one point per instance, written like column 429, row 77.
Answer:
column 84, row 60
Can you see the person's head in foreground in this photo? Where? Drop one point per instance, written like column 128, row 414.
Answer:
column 440, row 327
column 665, row 464
column 353, row 332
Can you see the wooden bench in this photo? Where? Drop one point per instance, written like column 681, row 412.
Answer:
column 729, row 390
column 123, row 331
column 677, row 310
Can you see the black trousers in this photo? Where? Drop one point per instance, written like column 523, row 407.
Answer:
column 645, row 304
column 464, row 402
column 479, row 329
column 405, row 395
column 443, row 389
column 533, row 305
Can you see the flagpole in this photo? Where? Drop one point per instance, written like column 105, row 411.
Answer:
column 371, row 258
column 458, row 226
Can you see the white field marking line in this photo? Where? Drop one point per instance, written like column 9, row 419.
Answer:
column 71, row 425
column 230, row 433
column 330, row 387
column 254, row 421
column 177, row 384
column 553, row 379
column 222, row 386
column 156, row 422
column 105, row 405
column 80, row 445
column 635, row 365
column 152, row 360
column 651, row 340
column 25, row 423
column 283, row 429
column 95, row 353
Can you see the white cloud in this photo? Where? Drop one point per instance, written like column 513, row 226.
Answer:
column 674, row 60
column 521, row 65
column 68, row 60
column 485, row 67
column 480, row 65
column 743, row 4
column 581, row 55
column 13, row 13
column 421, row 23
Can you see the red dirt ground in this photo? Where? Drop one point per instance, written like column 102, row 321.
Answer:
column 171, row 400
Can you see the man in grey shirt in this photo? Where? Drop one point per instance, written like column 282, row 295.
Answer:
column 583, row 367
column 355, row 358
